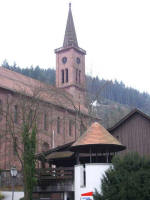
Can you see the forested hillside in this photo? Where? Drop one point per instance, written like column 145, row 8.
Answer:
column 110, row 95
column 118, row 92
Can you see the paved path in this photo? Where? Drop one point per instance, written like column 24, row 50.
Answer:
column 8, row 195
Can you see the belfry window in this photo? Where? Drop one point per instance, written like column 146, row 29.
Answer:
column 62, row 75
column 76, row 75
column 66, row 70
column 79, row 76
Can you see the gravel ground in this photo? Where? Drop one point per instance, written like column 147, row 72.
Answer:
column 8, row 195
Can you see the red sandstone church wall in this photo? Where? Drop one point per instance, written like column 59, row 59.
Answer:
column 8, row 158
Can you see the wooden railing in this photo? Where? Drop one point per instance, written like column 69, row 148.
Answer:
column 55, row 173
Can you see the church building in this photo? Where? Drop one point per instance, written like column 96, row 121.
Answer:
column 70, row 63
column 61, row 112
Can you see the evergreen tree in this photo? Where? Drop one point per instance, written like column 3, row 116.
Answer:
column 128, row 179
column 29, row 142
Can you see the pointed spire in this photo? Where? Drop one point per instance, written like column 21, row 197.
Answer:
column 70, row 38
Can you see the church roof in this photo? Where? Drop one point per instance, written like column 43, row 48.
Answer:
column 27, row 86
column 70, row 38
column 98, row 137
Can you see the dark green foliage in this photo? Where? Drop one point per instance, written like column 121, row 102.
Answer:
column 129, row 179
column 111, row 112
column 118, row 92
column 44, row 75
column 98, row 89
column 29, row 142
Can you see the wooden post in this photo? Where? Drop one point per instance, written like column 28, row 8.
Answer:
column 90, row 154
column 43, row 164
column 77, row 158
column 96, row 156
column 106, row 157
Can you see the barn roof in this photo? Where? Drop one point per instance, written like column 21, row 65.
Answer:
column 128, row 116
column 27, row 86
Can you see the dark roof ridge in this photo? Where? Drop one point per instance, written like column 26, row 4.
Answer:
column 31, row 79
column 30, row 83
column 27, row 77
column 55, row 149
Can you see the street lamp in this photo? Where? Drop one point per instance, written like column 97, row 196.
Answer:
column 13, row 172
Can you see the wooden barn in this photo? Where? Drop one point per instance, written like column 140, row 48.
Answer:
column 133, row 131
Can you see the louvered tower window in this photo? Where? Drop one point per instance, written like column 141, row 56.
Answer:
column 66, row 75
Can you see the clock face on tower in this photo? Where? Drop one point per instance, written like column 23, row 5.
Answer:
column 78, row 60
column 64, row 60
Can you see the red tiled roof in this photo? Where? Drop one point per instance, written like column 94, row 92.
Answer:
column 30, row 87
column 96, row 134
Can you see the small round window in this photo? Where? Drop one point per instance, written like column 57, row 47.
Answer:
column 78, row 60
column 64, row 60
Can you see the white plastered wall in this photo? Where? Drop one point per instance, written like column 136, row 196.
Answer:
column 94, row 174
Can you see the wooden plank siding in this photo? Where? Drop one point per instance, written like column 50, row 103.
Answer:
column 134, row 133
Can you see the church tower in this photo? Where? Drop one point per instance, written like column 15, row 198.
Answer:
column 70, row 63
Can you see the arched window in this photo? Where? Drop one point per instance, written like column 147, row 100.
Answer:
column 15, row 141
column 70, row 127
column 82, row 128
column 45, row 122
column 45, row 146
column 30, row 117
column 15, row 113
column 58, row 124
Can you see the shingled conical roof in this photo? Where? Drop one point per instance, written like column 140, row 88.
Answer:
column 70, row 38
column 99, row 139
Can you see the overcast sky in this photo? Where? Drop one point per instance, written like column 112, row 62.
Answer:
column 115, row 34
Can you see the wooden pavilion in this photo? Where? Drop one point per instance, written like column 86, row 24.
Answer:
column 59, row 181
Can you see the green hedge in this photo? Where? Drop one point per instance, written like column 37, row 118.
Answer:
column 1, row 196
